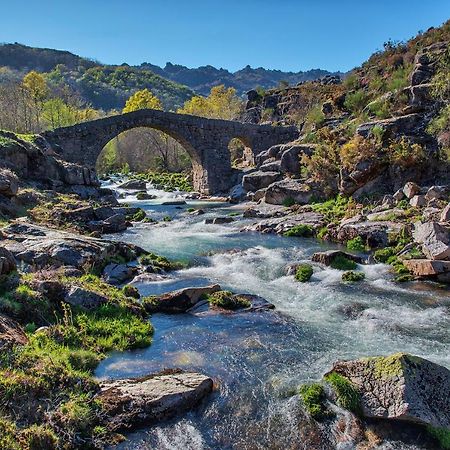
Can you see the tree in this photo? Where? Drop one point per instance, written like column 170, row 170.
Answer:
column 221, row 103
column 35, row 85
column 142, row 100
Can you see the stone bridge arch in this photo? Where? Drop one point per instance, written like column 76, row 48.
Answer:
column 205, row 140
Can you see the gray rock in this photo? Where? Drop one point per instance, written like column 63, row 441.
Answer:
column 401, row 387
column 137, row 185
column 437, row 192
column 327, row 258
column 259, row 180
column 280, row 225
column 434, row 238
column 290, row 161
column 264, row 211
column 7, row 262
column 281, row 191
column 445, row 215
column 399, row 195
column 104, row 212
column 273, row 166
column 84, row 298
column 115, row 224
column 174, row 203
column 418, row 200
column 219, row 220
column 130, row 403
column 118, row 273
column 411, row 189
column 9, row 183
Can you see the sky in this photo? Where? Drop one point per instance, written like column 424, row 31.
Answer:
column 289, row 35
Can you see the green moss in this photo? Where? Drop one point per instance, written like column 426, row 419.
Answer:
column 347, row 394
column 313, row 398
column 8, row 432
column 356, row 244
column 139, row 216
column 343, row 263
column 39, row 437
column 300, row 230
column 131, row 291
column 288, row 202
column 167, row 181
column 383, row 254
column 227, row 300
column 387, row 367
column 442, row 435
column 334, row 209
column 322, row 232
column 167, row 219
column 304, row 272
column 159, row 262
column 352, row 277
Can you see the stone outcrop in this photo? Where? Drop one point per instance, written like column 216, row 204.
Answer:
column 179, row 301
column 287, row 189
column 119, row 273
column 429, row 268
column 43, row 247
column 9, row 183
column 11, row 333
column 434, row 239
column 133, row 402
column 327, row 258
column 280, row 225
column 258, row 180
column 401, row 387
column 7, row 262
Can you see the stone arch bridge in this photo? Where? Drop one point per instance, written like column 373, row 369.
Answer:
column 205, row 140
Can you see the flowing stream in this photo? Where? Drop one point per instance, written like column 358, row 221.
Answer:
column 258, row 359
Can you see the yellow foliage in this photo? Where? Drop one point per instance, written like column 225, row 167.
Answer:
column 35, row 84
column 143, row 99
column 221, row 103
column 355, row 150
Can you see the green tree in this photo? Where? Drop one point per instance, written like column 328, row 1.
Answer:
column 142, row 100
column 35, row 85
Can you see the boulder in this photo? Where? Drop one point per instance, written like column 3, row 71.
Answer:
column 434, row 239
column 119, row 273
column 327, row 258
column 411, row 189
column 281, row 191
column 138, row 185
column 281, row 225
column 259, row 180
column 437, row 192
column 104, row 212
column 11, row 333
column 428, row 268
column 401, row 387
column 83, row 298
column 418, row 200
column 131, row 403
column 386, row 214
column 7, row 262
column 445, row 215
column 115, row 224
column 179, row 301
column 219, row 220
column 9, row 183
column 264, row 211
column 272, row 166
column 290, row 161
column 399, row 195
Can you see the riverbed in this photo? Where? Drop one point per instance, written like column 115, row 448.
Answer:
column 258, row 359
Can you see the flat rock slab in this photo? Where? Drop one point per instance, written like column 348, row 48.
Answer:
column 130, row 403
column 427, row 267
column 401, row 387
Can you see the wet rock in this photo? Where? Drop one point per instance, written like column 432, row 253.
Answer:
column 7, row 262
column 179, row 301
column 401, row 387
column 104, row 212
column 428, row 268
column 264, row 211
column 259, row 180
column 118, row 273
column 411, row 189
column 197, row 212
column 138, row 185
column 290, row 190
column 327, row 258
column 145, row 196
column 219, row 220
column 237, row 193
column 11, row 334
column 434, row 239
column 84, row 298
column 115, row 224
column 133, row 402
column 418, row 200
column 351, row 310
column 9, row 183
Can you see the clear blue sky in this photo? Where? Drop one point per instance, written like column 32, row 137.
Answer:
column 277, row 34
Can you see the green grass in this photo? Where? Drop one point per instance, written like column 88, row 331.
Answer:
column 303, row 273
column 313, row 398
column 347, row 394
column 227, row 300
column 334, row 209
column 356, row 244
column 352, row 277
column 160, row 262
column 301, row 230
column 343, row 263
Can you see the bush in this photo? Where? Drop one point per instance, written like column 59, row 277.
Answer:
column 352, row 277
column 405, row 154
column 347, row 394
column 38, row 437
column 300, row 230
column 227, row 300
column 383, row 254
column 313, row 398
column 304, row 272
column 288, row 202
column 356, row 244
column 356, row 101
column 343, row 263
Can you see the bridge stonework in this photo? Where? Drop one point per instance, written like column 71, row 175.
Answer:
column 205, row 140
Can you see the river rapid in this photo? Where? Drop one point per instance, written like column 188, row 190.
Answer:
column 258, row 359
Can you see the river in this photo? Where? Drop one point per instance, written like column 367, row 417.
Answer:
column 258, row 359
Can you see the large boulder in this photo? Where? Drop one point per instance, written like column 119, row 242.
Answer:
column 429, row 268
column 328, row 257
column 9, row 183
column 133, row 402
column 254, row 181
column 179, row 301
column 11, row 333
column 445, row 214
column 119, row 273
column 401, row 387
column 290, row 161
column 138, row 185
column 434, row 239
column 84, row 298
column 290, row 190
column 7, row 261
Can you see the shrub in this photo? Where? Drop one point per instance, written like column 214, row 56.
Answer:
column 227, row 300
column 343, row 263
column 335, row 209
column 300, row 230
column 356, row 101
column 352, row 277
column 383, row 254
column 304, row 272
column 356, row 150
column 356, row 244
column 405, row 154
column 313, row 398
column 38, row 437
column 347, row 394
column 288, row 202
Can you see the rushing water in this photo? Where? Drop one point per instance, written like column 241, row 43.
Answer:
column 258, row 359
